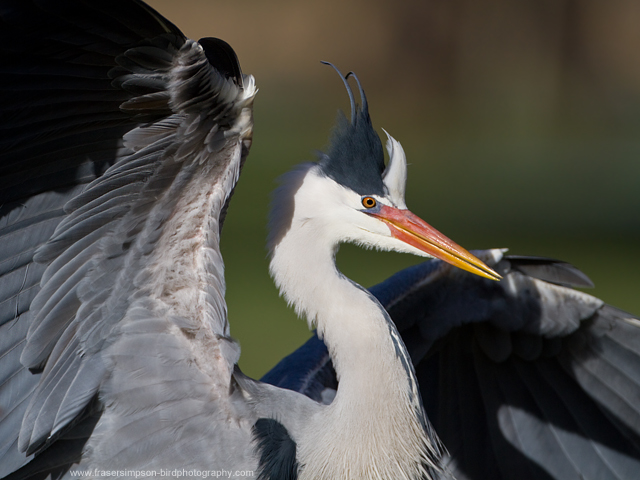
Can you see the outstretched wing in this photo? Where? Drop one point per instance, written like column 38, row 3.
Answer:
column 121, row 144
column 525, row 378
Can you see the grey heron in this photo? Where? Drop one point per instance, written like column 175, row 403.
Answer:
column 128, row 341
column 124, row 143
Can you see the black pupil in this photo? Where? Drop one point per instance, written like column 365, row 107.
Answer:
column 369, row 202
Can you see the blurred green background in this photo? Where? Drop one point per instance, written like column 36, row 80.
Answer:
column 520, row 120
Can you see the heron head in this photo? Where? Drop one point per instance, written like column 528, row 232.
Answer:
column 349, row 195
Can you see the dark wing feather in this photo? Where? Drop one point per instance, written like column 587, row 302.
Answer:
column 554, row 391
column 523, row 379
column 102, row 104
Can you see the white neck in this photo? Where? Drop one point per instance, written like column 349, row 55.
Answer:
column 375, row 426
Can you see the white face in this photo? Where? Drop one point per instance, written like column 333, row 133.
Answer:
column 314, row 208
column 339, row 214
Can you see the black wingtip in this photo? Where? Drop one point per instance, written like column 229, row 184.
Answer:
column 222, row 57
column 550, row 270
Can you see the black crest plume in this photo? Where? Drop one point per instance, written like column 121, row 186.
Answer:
column 355, row 158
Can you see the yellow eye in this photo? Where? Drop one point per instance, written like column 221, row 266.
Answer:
column 368, row 202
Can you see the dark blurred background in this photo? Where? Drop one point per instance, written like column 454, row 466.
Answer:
column 520, row 120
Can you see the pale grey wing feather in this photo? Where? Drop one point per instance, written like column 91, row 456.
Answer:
column 60, row 128
column 82, row 185
column 24, row 228
column 57, row 309
column 178, row 421
column 100, row 293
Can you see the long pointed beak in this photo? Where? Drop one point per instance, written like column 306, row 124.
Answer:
column 414, row 231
